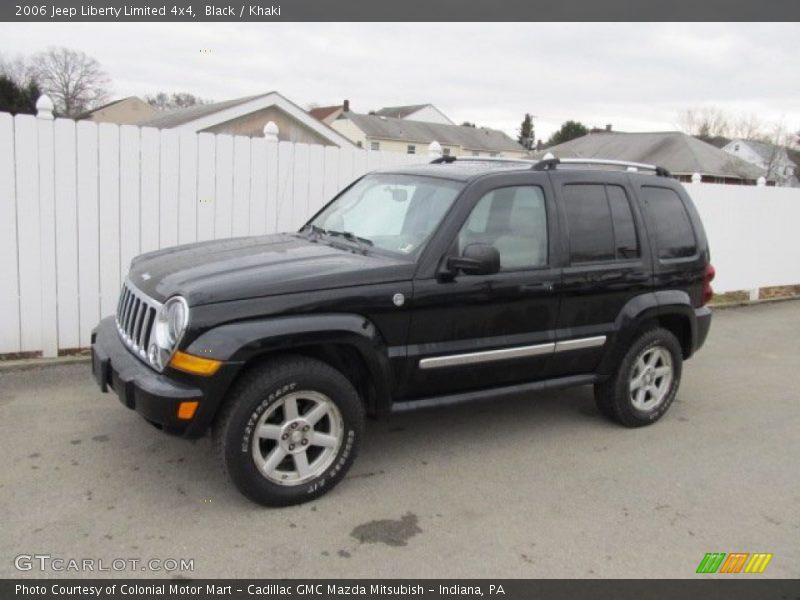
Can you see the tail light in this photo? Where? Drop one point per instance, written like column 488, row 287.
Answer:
column 708, row 277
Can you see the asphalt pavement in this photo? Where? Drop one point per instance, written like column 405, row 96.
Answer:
column 537, row 486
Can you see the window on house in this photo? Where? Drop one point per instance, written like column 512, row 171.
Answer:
column 375, row 145
column 446, row 151
column 411, row 149
column 736, row 148
column 493, row 154
column 668, row 219
column 475, row 153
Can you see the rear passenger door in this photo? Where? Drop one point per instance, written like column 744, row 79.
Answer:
column 606, row 264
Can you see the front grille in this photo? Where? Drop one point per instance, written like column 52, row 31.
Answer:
column 136, row 314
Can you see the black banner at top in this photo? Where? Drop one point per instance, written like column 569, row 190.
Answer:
column 405, row 10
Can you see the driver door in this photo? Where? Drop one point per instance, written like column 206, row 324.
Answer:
column 469, row 332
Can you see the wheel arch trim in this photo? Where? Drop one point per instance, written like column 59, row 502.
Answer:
column 242, row 341
column 643, row 308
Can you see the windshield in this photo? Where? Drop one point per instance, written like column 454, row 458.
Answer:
column 393, row 212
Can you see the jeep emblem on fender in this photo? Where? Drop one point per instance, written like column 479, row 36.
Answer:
column 399, row 299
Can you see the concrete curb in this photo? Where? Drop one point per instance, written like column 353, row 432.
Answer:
column 40, row 363
column 727, row 305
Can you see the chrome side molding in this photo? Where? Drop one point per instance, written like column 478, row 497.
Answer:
column 471, row 358
column 580, row 343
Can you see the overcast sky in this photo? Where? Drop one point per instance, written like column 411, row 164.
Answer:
column 636, row 76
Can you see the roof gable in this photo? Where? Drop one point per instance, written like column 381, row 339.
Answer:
column 766, row 150
column 203, row 116
column 400, row 112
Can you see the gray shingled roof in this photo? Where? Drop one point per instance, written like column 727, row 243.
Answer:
column 400, row 112
column 174, row 118
column 469, row 138
column 679, row 153
column 765, row 150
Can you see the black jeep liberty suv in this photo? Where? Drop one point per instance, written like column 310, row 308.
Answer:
column 418, row 286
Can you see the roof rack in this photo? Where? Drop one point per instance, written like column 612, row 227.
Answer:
column 450, row 159
column 550, row 164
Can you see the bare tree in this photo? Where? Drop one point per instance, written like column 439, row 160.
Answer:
column 747, row 126
column 776, row 137
column 17, row 69
column 74, row 81
column 175, row 100
column 704, row 121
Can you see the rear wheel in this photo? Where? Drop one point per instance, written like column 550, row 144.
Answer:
column 645, row 382
column 290, row 431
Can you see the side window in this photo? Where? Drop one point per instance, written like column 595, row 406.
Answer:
column 591, row 232
column 669, row 223
column 600, row 223
column 626, row 243
column 513, row 220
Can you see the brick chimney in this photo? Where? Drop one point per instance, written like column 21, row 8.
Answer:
column 608, row 127
column 346, row 106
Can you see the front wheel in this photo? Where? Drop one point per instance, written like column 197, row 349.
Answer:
column 290, row 431
column 645, row 382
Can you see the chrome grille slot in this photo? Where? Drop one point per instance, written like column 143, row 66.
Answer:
column 136, row 313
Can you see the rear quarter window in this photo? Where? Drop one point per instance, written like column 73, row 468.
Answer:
column 669, row 223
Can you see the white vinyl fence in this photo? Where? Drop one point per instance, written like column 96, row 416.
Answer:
column 79, row 200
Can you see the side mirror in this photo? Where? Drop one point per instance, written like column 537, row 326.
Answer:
column 477, row 259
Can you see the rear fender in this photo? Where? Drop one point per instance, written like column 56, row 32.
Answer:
column 637, row 314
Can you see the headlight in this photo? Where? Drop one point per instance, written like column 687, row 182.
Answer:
column 171, row 322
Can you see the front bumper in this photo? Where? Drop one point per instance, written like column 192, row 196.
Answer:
column 155, row 396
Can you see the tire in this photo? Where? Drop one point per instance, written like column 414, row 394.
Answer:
column 289, row 431
column 645, row 382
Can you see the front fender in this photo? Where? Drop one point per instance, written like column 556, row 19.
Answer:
column 242, row 341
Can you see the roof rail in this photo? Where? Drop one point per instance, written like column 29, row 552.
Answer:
column 550, row 164
column 450, row 159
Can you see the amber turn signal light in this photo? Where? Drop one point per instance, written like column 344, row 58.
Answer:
column 186, row 410
column 195, row 365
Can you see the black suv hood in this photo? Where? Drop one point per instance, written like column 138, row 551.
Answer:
column 252, row 267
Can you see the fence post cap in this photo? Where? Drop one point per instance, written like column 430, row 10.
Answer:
column 44, row 107
column 761, row 181
column 435, row 149
column 696, row 178
column 271, row 131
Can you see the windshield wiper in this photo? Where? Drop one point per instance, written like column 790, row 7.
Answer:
column 351, row 237
column 316, row 230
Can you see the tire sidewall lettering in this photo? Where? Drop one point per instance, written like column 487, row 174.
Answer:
column 249, row 427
